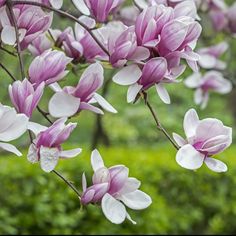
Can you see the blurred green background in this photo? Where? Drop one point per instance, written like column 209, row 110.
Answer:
column 184, row 202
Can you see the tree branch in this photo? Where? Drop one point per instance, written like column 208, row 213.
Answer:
column 65, row 14
column 8, row 72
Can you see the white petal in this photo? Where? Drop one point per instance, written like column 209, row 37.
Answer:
column 136, row 200
column 216, row 165
column 189, row 158
column 48, row 158
column 10, row 148
column 133, row 91
column 191, row 121
column 179, row 140
column 70, row 153
column 104, row 103
column 36, row 128
column 32, row 154
column 193, row 81
column 55, row 87
column 163, row 94
column 131, row 185
column 8, row 35
column 128, row 75
column 84, row 182
column 63, row 105
column 56, row 3
column 81, row 6
column 16, row 129
column 113, row 210
column 96, row 160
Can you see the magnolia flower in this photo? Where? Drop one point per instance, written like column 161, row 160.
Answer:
column 12, row 126
column 41, row 44
column 168, row 35
column 209, row 57
column 204, row 138
column 152, row 74
column 113, row 189
column 128, row 15
column 46, row 148
column 31, row 21
column 48, row 67
column 100, row 10
column 24, row 97
column 70, row 100
column 70, row 44
column 211, row 81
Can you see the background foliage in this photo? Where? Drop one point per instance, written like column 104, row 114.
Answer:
column 184, row 202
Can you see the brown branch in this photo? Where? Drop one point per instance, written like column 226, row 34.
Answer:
column 159, row 125
column 68, row 183
column 44, row 114
column 65, row 14
column 9, row 4
column 8, row 72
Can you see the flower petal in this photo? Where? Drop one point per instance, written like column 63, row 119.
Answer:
column 163, row 94
column 188, row 157
column 96, row 160
column 8, row 35
column 63, row 105
column 128, row 75
column 216, row 165
column 81, row 6
column 113, row 210
column 70, row 153
column 133, row 91
column 10, row 148
column 32, row 154
column 136, row 200
column 179, row 140
column 104, row 103
column 48, row 158
column 191, row 121
column 36, row 128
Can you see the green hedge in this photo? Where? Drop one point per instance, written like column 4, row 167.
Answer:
column 184, row 202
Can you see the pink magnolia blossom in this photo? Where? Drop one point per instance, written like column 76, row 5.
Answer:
column 127, row 15
column 113, row 189
column 204, row 138
column 46, row 148
column 24, row 97
column 41, row 44
column 48, row 67
column 69, row 43
column 168, row 36
column 142, row 78
column 31, row 21
column 70, row 100
column 211, row 81
column 100, row 10
column 12, row 126
column 209, row 57
column 91, row 50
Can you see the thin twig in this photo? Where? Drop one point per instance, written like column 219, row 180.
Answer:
column 65, row 14
column 44, row 114
column 159, row 125
column 8, row 72
column 7, row 51
column 13, row 18
column 68, row 183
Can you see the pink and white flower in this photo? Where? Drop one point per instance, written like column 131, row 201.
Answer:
column 204, row 138
column 100, row 10
column 31, row 21
column 12, row 126
column 140, row 78
column 113, row 189
column 41, row 44
column 209, row 56
column 54, row 3
column 204, row 84
column 70, row 100
column 24, row 97
column 48, row 67
column 46, row 148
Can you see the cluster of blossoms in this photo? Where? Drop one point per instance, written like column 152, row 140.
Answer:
column 150, row 44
